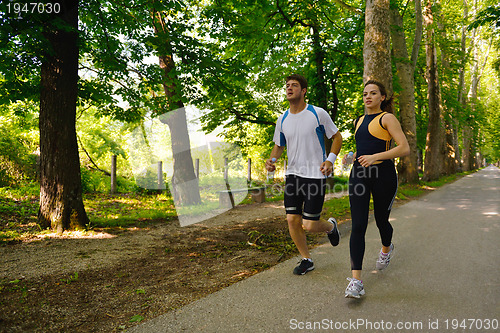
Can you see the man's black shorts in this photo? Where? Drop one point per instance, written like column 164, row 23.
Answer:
column 304, row 196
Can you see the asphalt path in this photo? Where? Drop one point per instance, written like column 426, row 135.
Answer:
column 444, row 277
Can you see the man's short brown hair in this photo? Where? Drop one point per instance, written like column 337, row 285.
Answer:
column 302, row 80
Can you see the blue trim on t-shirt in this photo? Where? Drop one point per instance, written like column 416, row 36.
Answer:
column 282, row 135
column 320, row 131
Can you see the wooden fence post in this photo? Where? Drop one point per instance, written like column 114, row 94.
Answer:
column 249, row 180
column 197, row 168
column 226, row 170
column 113, row 174
column 160, row 175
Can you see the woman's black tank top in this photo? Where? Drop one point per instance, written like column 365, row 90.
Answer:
column 371, row 136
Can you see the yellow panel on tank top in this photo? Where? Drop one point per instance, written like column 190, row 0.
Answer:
column 378, row 131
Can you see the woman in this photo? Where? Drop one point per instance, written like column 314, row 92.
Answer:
column 373, row 173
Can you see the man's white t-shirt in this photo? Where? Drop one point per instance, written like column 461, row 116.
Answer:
column 304, row 150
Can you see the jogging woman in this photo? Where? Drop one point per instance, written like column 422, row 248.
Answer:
column 373, row 173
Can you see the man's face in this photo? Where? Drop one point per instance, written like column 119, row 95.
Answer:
column 294, row 91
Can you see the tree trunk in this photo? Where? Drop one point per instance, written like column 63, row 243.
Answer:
column 450, row 155
column 377, row 44
column 408, row 166
column 468, row 155
column 319, row 83
column 61, row 203
column 468, row 131
column 461, row 85
column 471, row 129
column 433, row 163
column 450, row 158
column 184, row 181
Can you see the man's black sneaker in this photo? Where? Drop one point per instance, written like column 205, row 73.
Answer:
column 334, row 235
column 304, row 267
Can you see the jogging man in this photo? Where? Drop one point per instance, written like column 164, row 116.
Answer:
column 302, row 129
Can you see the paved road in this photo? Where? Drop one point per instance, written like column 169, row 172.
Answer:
column 445, row 269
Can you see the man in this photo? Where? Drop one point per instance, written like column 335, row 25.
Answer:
column 302, row 129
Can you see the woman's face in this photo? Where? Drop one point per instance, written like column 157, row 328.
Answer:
column 372, row 97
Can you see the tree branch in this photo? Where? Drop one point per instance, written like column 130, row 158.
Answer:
column 90, row 158
column 112, row 79
column 254, row 119
column 287, row 19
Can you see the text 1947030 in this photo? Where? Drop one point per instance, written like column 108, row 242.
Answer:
column 33, row 7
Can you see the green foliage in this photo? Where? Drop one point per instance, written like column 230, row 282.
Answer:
column 18, row 212
column 491, row 148
column 271, row 41
column 488, row 16
column 94, row 181
column 18, row 143
column 21, row 47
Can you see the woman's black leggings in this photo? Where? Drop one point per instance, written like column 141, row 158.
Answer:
column 381, row 181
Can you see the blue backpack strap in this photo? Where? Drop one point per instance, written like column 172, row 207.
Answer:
column 320, row 131
column 282, row 135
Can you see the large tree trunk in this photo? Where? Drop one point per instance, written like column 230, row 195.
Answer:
column 433, row 164
column 61, row 204
column 461, row 85
column 185, row 184
column 468, row 132
column 468, row 155
column 377, row 42
column 450, row 158
column 471, row 129
column 408, row 166
column 184, row 181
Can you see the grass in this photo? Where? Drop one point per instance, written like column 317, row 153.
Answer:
column 19, row 206
column 127, row 210
column 338, row 207
column 19, row 210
